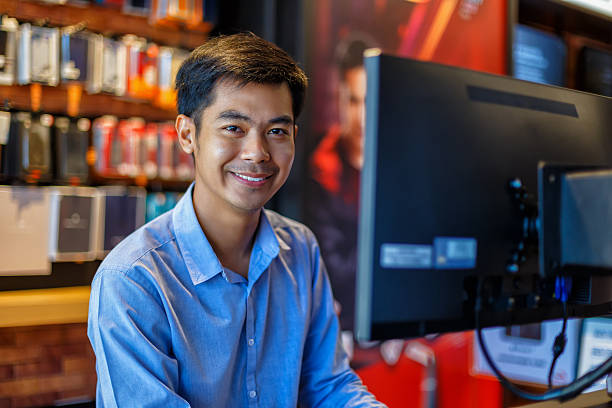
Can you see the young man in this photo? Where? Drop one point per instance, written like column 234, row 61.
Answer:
column 220, row 303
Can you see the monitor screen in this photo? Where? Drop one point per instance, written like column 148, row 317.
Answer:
column 436, row 212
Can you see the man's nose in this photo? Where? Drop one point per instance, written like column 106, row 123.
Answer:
column 255, row 148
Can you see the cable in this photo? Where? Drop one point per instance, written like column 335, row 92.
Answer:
column 563, row 393
column 561, row 339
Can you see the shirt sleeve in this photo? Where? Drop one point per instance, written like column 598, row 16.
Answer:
column 326, row 378
column 131, row 338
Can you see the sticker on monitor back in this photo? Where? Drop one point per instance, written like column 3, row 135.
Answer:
column 405, row 256
column 454, row 253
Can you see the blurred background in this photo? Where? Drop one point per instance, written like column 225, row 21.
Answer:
column 88, row 153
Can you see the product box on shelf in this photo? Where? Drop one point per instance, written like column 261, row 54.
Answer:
column 38, row 55
column 8, row 49
column 184, row 169
column 73, row 224
column 110, row 3
column 76, row 51
column 148, row 73
column 5, row 128
column 130, row 133
column 171, row 12
column 28, row 152
column 159, row 203
column 106, row 145
column 114, row 67
column 166, row 150
column 71, row 146
column 134, row 46
column 24, row 228
column 138, row 7
column 121, row 212
column 148, row 151
column 169, row 62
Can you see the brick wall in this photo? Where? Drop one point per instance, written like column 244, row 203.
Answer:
column 41, row 365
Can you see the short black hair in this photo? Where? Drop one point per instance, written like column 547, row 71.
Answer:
column 244, row 58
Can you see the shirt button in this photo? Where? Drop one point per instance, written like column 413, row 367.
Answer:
column 251, row 342
column 253, row 394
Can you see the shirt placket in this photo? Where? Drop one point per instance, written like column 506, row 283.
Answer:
column 251, row 363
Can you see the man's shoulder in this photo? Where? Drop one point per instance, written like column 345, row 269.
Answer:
column 152, row 236
column 289, row 229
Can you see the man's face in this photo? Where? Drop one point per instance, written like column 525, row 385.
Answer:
column 352, row 105
column 245, row 146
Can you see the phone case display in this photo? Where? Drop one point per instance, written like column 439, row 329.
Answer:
column 148, row 72
column 28, row 154
column 595, row 71
column 170, row 12
column 159, row 203
column 5, row 128
column 114, row 72
column 130, row 133
column 93, row 84
column 106, row 145
column 110, row 3
column 76, row 52
column 183, row 163
column 169, row 62
column 71, row 145
column 134, row 46
column 24, row 228
column 73, row 224
column 8, row 49
column 166, row 150
column 138, row 7
column 38, row 56
column 148, row 151
column 121, row 212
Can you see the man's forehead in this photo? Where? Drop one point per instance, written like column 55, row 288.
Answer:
column 233, row 99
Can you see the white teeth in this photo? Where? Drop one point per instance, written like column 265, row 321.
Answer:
column 250, row 178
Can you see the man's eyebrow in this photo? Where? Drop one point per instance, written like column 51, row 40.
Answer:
column 233, row 114
column 282, row 120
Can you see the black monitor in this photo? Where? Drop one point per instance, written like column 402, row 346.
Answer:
column 449, row 192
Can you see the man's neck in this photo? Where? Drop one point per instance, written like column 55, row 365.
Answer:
column 230, row 233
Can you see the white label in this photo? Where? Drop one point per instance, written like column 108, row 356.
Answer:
column 405, row 256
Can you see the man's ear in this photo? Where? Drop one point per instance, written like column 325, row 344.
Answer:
column 295, row 131
column 185, row 128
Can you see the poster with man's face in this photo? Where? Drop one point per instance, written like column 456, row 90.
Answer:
column 466, row 33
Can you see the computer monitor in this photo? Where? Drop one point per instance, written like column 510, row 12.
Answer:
column 437, row 213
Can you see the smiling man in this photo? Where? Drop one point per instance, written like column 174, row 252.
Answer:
column 220, row 303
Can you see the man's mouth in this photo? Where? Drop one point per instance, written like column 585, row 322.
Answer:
column 251, row 179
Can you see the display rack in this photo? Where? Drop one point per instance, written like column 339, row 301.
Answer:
column 107, row 21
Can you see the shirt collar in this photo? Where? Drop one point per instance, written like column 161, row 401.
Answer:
column 200, row 259
column 199, row 256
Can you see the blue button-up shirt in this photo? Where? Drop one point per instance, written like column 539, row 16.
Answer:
column 171, row 327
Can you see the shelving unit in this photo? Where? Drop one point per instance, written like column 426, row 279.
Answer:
column 55, row 100
column 107, row 21
column 111, row 22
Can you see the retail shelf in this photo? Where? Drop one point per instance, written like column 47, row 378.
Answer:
column 107, row 21
column 55, row 100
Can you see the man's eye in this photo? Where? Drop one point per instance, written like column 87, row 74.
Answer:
column 278, row 131
column 232, row 128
